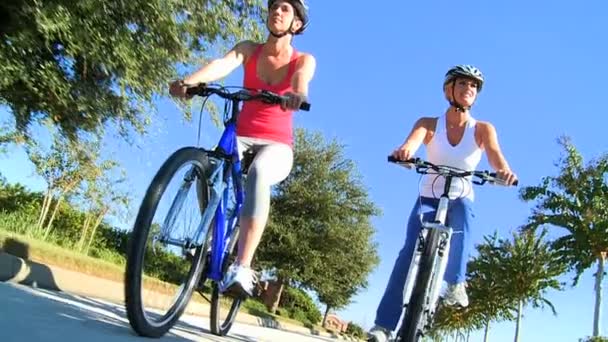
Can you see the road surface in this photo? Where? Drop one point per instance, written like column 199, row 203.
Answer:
column 30, row 314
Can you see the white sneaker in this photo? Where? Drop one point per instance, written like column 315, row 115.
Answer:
column 378, row 334
column 240, row 278
column 457, row 294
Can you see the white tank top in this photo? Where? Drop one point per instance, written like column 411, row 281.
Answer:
column 466, row 156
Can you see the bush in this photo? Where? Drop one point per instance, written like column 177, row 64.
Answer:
column 300, row 305
column 17, row 222
column 355, row 330
column 109, row 255
column 19, row 212
column 16, row 197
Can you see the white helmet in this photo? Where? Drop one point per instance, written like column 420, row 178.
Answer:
column 301, row 11
column 467, row 71
column 463, row 71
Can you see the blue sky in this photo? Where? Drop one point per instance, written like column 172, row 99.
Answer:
column 380, row 67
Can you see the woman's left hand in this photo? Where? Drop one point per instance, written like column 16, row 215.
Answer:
column 293, row 101
column 507, row 176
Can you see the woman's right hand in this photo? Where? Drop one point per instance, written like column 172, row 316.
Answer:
column 403, row 153
column 178, row 89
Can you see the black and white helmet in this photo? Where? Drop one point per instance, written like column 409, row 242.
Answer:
column 301, row 11
column 465, row 70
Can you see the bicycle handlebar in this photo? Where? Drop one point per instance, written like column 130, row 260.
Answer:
column 423, row 167
column 243, row 94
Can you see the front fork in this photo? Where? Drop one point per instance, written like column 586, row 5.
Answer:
column 439, row 268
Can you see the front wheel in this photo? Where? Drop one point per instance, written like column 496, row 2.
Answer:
column 180, row 266
column 413, row 323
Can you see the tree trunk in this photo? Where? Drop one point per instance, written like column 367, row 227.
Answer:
column 46, row 203
column 85, row 230
column 486, row 334
column 97, row 223
column 597, row 314
column 272, row 295
column 327, row 308
column 520, row 305
column 50, row 223
column 62, row 194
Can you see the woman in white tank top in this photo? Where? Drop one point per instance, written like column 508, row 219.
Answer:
column 455, row 139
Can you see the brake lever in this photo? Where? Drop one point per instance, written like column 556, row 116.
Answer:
column 480, row 182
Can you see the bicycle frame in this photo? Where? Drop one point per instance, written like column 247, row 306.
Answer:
column 227, row 167
column 443, row 250
column 226, row 164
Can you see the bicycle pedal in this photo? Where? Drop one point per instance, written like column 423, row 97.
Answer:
column 236, row 292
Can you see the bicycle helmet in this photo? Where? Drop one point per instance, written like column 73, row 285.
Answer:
column 301, row 10
column 466, row 71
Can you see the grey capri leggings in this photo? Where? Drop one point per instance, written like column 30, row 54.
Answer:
column 272, row 163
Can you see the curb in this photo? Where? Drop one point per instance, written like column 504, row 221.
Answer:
column 26, row 272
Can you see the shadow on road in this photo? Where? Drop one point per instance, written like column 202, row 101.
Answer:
column 37, row 275
column 78, row 318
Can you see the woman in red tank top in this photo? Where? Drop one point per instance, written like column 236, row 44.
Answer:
column 276, row 66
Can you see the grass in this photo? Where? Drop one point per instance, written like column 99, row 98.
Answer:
column 47, row 253
column 257, row 308
column 17, row 237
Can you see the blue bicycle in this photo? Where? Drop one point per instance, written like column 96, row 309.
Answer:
column 201, row 246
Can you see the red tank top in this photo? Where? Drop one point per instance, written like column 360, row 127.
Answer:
column 261, row 120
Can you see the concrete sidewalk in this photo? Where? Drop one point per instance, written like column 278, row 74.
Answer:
column 17, row 270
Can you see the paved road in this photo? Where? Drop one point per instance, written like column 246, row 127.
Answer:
column 29, row 314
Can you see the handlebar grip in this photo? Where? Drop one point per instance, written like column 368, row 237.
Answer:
column 493, row 175
column 192, row 91
column 305, row 106
column 392, row 159
column 195, row 89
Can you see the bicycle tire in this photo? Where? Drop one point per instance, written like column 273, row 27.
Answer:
column 136, row 251
column 410, row 331
column 221, row 328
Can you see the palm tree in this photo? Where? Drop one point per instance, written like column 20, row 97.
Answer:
column 530, row 268
column 576, row 202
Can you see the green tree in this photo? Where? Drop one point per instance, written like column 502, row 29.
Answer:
column 506, row 275
column 349, row 259
column 83, row 64
column 594, row 339
column 489, row 300
column 64, row 166
column 319, row 232
column 104, row 195
column 529, row 268
column 575, row 201
column 355, row 330
column 7, row 135
column 487, row 296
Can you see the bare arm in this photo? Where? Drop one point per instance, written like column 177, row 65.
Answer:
column 489, row 141
column 417, row 136
column 303, row 75
column 221, row 67
column 305, row 69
